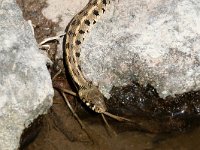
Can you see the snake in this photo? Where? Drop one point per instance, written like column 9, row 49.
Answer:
column 79, row 26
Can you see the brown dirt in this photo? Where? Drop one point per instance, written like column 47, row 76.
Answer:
column 59, row 130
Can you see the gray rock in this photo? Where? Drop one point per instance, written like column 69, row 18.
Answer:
column 154, row 42
column 25, row 84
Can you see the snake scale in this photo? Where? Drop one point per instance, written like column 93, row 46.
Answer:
column 76, row 31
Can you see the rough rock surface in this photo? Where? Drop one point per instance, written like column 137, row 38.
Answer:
column 62, row 12
column 155, row 42
column 25, row 84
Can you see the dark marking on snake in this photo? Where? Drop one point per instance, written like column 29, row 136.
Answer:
column 67, row 45
column 79, row 67
column 87, row 22
column 81, row 31
column 77, row 54
column 103, row 10
column 96, row 13
column 78, row 42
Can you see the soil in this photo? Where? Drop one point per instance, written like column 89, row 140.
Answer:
column 158, row 124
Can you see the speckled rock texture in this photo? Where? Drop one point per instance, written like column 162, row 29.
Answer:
column 25, row 84
column 152, row 42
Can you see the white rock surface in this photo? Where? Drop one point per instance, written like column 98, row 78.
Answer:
column 62, row 12
column 151, row 41
column 155, row 42
column 25, row 84
column 64, row 9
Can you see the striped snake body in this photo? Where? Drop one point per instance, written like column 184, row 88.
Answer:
column 76, row 30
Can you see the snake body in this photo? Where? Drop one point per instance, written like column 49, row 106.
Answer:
column 76, row 31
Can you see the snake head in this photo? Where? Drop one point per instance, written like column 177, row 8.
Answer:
column 93, row 98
